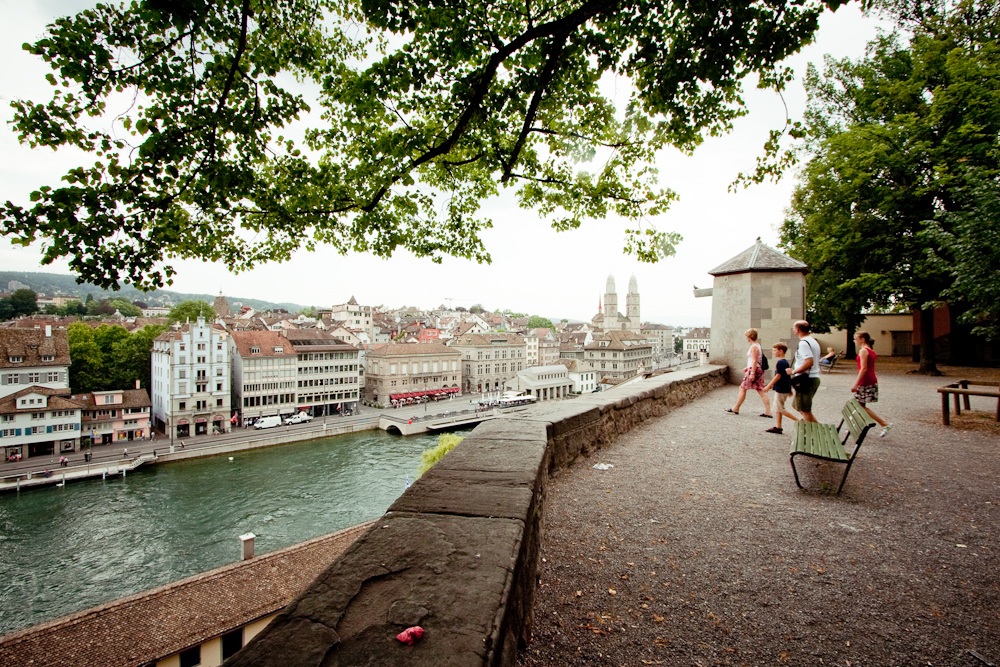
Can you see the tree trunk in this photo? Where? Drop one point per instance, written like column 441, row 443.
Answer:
column 849, row 351
column 928, row 358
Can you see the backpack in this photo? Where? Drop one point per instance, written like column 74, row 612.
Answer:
column 763, row 361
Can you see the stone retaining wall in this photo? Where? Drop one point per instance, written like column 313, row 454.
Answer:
column 457, row 554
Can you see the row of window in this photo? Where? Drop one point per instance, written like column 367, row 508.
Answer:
column 274, row 399
column 267, row 386
column 199, row 405
column 325, row 356
column 201, row 374
column 35, row 430
column 309, row 370
column 32, row 378
column 501, row 354
column 402, row 383
column 322, row 382
column 338, row 396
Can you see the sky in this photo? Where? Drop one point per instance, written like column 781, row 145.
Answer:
column 535, row 269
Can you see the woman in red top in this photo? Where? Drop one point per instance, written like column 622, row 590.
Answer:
column 866, row 386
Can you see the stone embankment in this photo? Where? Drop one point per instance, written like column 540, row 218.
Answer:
column 458, row 553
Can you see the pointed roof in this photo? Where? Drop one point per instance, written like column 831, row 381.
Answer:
column 352, row 302
column 610, row 287
column 759, row 257
column 633, row 285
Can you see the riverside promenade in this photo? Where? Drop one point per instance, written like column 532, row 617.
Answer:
column 697, row 548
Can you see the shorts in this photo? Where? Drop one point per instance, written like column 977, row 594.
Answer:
column 804, row 394
column 867, row 393
column 778, row 402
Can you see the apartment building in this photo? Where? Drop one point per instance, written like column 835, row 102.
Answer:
column 190, row 380
column 265, row 373
column 33, row 357
column 414, row 369
column 328, row 372
column 619, row 354
column 489, row 360
column 38, row 421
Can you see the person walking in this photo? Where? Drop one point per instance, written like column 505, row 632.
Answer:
column 805, row 375
column 781, row 383
column 753, row 376
column 866, row 385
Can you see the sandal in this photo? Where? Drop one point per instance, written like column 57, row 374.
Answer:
column 764, row 414
column 774, row 429
column 731, row 411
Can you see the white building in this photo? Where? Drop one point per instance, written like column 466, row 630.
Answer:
column 355, row 317
column 37, row 421
column 191, row 379
column 697, row 340
column 264, row 375
column 662, row 336
column 543, row 382
column 583, row 377
column 33, row 357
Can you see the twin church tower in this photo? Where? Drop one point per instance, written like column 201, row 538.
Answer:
column 609, row 319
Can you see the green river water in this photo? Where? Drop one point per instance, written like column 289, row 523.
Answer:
column 67, row 549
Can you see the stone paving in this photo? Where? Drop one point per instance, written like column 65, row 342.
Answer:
column 697, row 548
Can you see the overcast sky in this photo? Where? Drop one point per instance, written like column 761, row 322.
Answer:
column 535, row 269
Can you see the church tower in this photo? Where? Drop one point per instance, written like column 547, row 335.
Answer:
column 632, row 306
column 610, row 305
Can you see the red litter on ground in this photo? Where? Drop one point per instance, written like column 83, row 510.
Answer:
column 410, row 635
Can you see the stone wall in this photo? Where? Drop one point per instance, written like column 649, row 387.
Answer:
column 457, row 553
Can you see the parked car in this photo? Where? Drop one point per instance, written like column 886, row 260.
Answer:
column 268, row 422
column 300, row 418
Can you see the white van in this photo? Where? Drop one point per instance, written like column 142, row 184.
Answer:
column 268, row 422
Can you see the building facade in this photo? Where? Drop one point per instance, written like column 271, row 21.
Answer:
column 697, row 340
column 619, row 355
column 114, row 416
column 583, row 377
column 545, row 383
column 664, row 339
column 355, row 316
column 190, row 380
column 489, row 360
column 33, row 357
column 328, row 373
column 264, row 375
column 417, row 369
column 38, row 421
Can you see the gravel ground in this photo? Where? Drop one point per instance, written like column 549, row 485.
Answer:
column 697, row 548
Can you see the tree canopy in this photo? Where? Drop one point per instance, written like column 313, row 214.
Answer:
column 108, row 357
column 21, row 302
column 538, row 322
column 423, row 110
column 190, row 311
column 893, row 139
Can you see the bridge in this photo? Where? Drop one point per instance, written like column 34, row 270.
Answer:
column 442, row 420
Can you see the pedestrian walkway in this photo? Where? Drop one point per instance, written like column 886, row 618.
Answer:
column 696, row 547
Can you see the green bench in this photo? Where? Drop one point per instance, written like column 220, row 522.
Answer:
column 827, row 368
column 823, row 441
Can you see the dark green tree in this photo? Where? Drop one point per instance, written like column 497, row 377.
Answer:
column 893, row 137
column 454, row 102
column 190, row 311
column 21, row 302
column 100, row 308
column 476, row 308
column 125, row 307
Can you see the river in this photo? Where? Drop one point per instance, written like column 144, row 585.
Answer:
column 90, row 542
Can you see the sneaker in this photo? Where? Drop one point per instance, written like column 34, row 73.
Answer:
column 774, row 429
column 885, row 430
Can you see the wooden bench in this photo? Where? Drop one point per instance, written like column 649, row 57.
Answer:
column 960, row 390
column 829, row 367
column 823, row 441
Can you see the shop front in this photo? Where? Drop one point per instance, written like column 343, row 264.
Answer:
column 183, row 428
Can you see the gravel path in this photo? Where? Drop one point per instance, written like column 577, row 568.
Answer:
column 698, row 549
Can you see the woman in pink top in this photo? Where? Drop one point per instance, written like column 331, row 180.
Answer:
column 753, row 376
column 866, row 386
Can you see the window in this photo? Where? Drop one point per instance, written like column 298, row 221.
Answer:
column 48, row 357
column 254, row 350
column 218, row 402
column 232, row 642
column 201, row 346
column 52, row 377
column 109, row 399
column 182, row 360
column 201, row 360
column 13, row 378
column 191, row 657
column 202, row 387
column 182, row 405
column 218, row 386
column 16, row 360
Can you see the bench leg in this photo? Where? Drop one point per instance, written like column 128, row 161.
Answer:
column 958, row 405
column 945, row 417
column 846, row 470
column 795, row 472
column 965, row 398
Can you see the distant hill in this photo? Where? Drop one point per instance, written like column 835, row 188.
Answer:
column 57, row 283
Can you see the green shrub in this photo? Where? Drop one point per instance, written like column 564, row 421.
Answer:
column 446, row 442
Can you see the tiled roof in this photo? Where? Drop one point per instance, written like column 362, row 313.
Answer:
column 409, row 349
column 486, row 339
column 265, row 341
column 131, row 398
column 58, row 400
column 316, row 339
column 141, row 629
column 701, row 333
column 617, row 341
column 32, row 345
column 758, row 257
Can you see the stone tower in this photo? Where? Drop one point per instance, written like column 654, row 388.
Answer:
column 632, row 305
column 759, row 288
column 610, row 305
